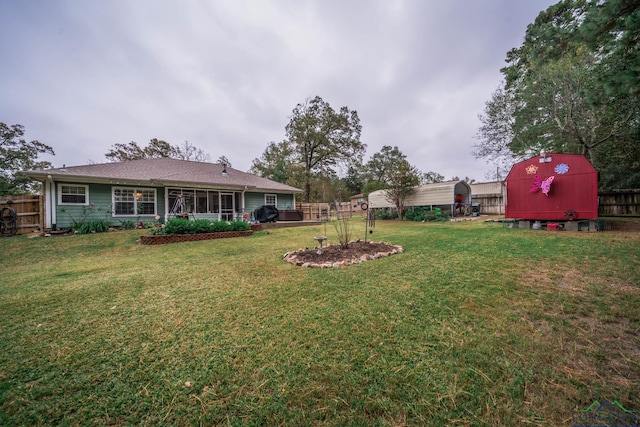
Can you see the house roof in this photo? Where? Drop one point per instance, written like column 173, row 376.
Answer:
column 163, row 172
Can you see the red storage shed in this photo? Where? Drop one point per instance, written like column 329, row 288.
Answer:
column 552, row 187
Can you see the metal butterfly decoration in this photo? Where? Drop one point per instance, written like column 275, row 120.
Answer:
column 541, row 184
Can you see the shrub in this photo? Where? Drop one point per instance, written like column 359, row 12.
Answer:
column 96, row 226
column 220, row 226
column 240, row 226
column 82, row 222
column 425, row 214
column 415, row 214
column 176, row 226
column 387, row 213
column 198, row 226
column 128, row 224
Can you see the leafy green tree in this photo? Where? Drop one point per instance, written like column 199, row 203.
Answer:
column 188, row 151
column 277, row 163
column 16, row 156
column 321, row 142
column 383, row 162
column 466, row 179
column 132, row 151
column 328, row 186
column 372, row 186
column 323, row 139
column 431, row 178
column 496, row 132
column 612, row 28
column 224, row 160
column 402, row 181
column 571, row 88
column 354, row 180
column 389, row 170
column 156, row 149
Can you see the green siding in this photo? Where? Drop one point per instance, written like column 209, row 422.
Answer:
column 101, row 197
column 254, row 200
column 285, row 201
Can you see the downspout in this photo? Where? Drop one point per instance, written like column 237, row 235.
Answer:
column 243, row 203
column 50, row 200
column 166, row 205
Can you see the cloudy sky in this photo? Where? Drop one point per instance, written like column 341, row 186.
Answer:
column 83, row 75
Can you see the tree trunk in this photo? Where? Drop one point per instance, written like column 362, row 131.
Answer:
column 307, row 191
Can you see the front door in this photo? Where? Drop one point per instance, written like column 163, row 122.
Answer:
column 226, row 206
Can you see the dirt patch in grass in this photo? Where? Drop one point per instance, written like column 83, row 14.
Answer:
column 590, row 344
column 337, row 255
column 632, row 225
column 567, row 280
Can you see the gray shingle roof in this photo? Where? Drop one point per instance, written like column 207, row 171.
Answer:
column 164, row 172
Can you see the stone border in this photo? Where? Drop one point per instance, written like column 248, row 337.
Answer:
column 292, row 258
column 160, row 239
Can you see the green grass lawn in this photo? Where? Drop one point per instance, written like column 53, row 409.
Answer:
column 474, row 324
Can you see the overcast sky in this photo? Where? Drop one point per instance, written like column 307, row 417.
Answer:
column 83, row 75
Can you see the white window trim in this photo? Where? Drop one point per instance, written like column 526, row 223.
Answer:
column 135, row 201
column 275, row 197
column 86, row 195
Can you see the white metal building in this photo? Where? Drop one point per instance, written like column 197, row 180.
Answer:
column 441, row 194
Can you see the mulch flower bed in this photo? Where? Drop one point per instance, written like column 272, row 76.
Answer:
column 335, row 256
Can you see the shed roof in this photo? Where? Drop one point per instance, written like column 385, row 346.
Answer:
column 163, row 172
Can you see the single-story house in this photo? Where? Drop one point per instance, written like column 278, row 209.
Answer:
column 357, row 200
column 152, row 190
column 448, row 196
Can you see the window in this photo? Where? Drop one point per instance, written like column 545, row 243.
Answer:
column 181, row 201
column 123, row 201
column 73, row 194
column 134, row 201
column 146, row 202
column 184, row 200
column 270, row 199
column 214, row 202
column 201, row 202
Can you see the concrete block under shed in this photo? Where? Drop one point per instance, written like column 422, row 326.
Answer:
column 571, row 225
column 580, row 225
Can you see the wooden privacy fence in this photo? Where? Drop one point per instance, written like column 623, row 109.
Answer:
column 614, row 203
column 28, row 210
column 343, row 210
column 324, row 211
column 314, row 211
column 619, row 203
